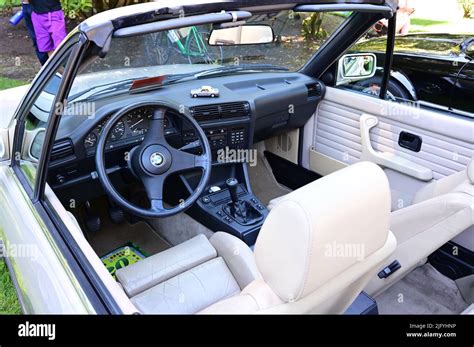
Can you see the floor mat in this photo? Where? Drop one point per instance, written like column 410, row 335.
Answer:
column 114, row 235
column 466, row 287
column 263, row 182
column 123, row 256
column 423, row 291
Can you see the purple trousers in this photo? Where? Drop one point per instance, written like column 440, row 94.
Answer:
column 50, row 29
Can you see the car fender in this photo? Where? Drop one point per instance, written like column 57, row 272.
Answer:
column 10, row 99
column 401, row 78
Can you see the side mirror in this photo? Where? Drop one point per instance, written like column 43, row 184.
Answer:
column 248, row 34
column 356, row 67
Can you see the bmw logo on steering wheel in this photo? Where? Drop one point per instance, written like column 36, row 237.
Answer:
column 157, row 159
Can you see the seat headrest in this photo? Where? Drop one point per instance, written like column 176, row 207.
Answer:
column 470, row 171
column 318, row 231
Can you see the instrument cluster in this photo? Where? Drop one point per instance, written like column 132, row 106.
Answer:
column 133, row 126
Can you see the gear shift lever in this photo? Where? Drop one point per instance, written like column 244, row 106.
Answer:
column 232, row 185
column 240, row 210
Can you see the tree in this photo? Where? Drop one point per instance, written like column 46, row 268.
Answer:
column 312, row 27
column 468, row 8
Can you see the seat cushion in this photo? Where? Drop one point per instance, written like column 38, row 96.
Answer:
column 165, row 265
column 190, row 291
column 238, row 257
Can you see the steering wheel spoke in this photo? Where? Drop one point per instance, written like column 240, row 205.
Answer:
column 183, row 161
column 156, row 129
column 157, row 205
column 154, row 187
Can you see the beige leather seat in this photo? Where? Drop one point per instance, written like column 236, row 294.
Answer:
column 316, row 251
column 440, row 211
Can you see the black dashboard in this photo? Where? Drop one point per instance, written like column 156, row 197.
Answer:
column 251, row 107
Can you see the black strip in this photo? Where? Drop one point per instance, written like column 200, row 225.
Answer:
column 300, row 146
column 392, row 24
column 291, row 330
column 290, row 174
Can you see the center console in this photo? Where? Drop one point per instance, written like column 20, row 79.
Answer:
column 228, row 203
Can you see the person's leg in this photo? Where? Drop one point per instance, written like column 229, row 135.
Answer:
column 57, row 28
column 406, row 27
column 27, row 10
column 41, row 26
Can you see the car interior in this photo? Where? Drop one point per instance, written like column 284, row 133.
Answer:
column 273, row 192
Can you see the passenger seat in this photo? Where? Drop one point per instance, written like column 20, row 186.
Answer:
column 440, row 211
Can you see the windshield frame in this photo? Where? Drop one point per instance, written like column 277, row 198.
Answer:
column 204, row 68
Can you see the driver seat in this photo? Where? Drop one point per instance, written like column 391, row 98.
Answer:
column 315, row 253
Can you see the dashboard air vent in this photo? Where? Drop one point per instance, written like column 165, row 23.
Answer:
column 62, row 149
column 314, row 90
column 206, row 112
column 234, row 109
column 217, row 111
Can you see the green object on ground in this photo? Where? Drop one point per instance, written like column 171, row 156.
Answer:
column 6, row 83
column 8, row 300
column 123, row 256
column 7, row 3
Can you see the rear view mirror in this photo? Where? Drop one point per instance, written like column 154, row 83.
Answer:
column 242, row 35
column 356, row 67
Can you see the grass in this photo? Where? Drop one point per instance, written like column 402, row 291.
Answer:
column 428, row 22
column 8, row 300
column 6, row 83
column 3, row 3
column 461, row 26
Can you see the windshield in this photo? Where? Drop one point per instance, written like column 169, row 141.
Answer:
column 186, row 52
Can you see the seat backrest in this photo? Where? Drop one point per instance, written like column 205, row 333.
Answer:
column 320, row 245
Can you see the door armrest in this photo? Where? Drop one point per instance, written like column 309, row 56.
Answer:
column 388, row 160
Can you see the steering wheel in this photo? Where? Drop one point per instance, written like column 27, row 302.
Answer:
column 153, row 161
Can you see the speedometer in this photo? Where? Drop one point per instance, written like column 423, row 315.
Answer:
column 138, row 121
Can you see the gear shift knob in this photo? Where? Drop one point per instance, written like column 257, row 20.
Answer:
column 232, row 185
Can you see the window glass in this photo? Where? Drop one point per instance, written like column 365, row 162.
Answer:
column 430, row 68
column 36, row 121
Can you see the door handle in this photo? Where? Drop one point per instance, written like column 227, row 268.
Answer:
column 385, row 159
column 410, row 141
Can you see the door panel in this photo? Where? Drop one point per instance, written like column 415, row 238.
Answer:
column 448, row 141
column 337, row 133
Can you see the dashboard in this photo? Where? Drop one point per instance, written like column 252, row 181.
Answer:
column 251, row 107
